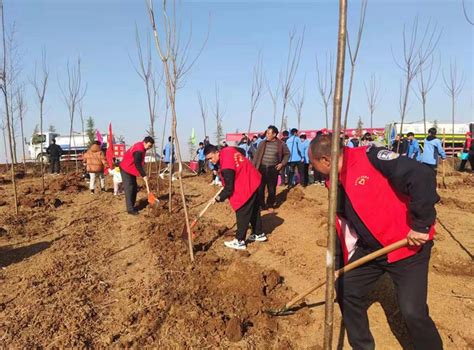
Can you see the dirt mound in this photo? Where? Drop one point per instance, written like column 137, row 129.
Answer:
column 456, row 203
column 71, row 183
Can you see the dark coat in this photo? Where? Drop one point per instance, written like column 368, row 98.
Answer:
column 54, row 151
column 283, row 153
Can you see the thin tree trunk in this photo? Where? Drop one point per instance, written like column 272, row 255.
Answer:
column 452, row 115
column 330, row 262
column 348, row 97
column 23, row 143
column 162, row 145
column 371, row 119
column 424, row 116
column 41, row 146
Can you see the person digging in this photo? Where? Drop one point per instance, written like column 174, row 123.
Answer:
column 382, row 198
column 241, row 183
column 132, row 166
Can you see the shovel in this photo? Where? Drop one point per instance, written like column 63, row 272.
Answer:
column 184, row 234
column 285, row 310
column 151, row 197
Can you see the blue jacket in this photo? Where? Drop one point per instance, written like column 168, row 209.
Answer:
column 294, row 145
column 305, row 150
column 413, row 149
column 167, row 153
column 432, row 149
column 200, row 153
column 246, row 148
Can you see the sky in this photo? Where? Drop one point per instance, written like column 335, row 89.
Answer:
column 102, row 33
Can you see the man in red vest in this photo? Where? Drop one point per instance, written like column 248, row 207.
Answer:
column 132, row 166
column 382, row 198
column 241, row 182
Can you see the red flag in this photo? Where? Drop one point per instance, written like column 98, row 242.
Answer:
column 109, row 155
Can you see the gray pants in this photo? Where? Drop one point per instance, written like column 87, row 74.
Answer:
column 92, row 181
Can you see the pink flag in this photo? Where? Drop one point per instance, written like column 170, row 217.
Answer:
column 99, row 137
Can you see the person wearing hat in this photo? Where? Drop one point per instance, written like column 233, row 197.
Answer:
column 304, row 151
column 241, row 182
column 467, row 153
column 402, row 202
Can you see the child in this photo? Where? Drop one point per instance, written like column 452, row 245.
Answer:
column 117, row 178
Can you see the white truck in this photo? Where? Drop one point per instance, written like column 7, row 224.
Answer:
column 444, row 131
column 40, row 142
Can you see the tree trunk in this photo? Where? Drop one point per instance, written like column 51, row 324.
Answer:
column 452, row 115
column 41, row 146
column 335, row 145
column 424, row 114
column 23, row 143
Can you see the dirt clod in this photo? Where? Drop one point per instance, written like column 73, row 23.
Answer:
column 233, row 330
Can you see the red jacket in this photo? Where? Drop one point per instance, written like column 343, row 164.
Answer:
column 247, row 178
column 127, row 164
column 382, row 210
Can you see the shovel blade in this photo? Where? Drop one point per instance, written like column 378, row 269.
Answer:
column 152, row 200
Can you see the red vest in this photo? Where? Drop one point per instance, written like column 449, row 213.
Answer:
column 382, row 210
column 127, row 164
column 247, row 178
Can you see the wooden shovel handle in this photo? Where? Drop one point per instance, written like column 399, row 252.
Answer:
column 211, row 202
column 378, row 253
column 147, row 186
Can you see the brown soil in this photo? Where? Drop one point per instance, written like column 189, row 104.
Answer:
column 77, row 272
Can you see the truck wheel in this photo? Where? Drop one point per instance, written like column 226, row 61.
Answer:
column 44, row 156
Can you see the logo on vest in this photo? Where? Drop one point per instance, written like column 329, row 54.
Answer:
column 238, row 158
column 387, row 155
column 361, row 180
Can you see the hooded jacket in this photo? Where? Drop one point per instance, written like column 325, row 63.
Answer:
column 95, row 160
column 432, row 150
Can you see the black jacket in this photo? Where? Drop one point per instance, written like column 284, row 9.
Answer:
column 54, row 151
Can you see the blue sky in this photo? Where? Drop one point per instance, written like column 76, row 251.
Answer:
column 102, row 32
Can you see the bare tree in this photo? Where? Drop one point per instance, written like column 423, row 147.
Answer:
column 144, row 70
column 453, row 87
column 257, row 88
column 40, row 84
column 73, row 95
column 353, row 56
column 297, row 103
column 176, row 63
column 325, row 84
column 81, row 115
column 22, row 108
column 372, row 93
column 425, row 82
column 416, row 52
column 203, row 109
column 292, row 62
column 9, row 118
column 218, row 114
column 274, row 94
column 468, row 19
column 3, row 126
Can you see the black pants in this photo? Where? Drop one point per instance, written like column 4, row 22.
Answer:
column 292, row 166
column 249, row 213
column 270, row 181
column 305, row 176
column 130, row 188
column 462, row 167
column 55, row 166
column 202, row 165
column 433, row 167
column 410, row 277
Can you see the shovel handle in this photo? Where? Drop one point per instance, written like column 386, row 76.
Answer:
column 147, row 186
column 211, row 202
column 378, row 253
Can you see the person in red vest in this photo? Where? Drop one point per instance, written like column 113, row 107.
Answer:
column 132, row 166
column 402, row 196
column 241, row 182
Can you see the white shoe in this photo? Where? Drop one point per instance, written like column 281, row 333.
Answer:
column 257, row 238
column 235, row 244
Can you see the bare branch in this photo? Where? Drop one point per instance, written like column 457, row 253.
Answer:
column 257, row 88
column 326, row 83
column 470, row 21
column 372, row 96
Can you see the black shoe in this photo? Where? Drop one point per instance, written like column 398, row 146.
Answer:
column 133, row 212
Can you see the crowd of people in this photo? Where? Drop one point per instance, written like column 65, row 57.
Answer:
column 400, row 180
